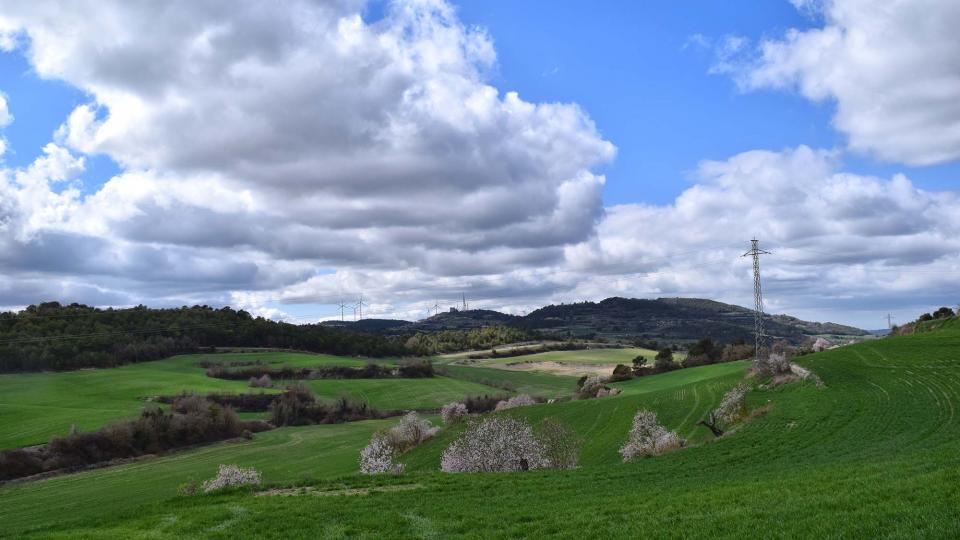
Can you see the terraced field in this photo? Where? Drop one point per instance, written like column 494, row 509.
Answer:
column 875, row 454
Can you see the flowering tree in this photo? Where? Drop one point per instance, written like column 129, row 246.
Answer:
column 497, row 443
column 230, row 476
column 732, row 407
column 522, row 400
column 411, row 431
column 453, row 412
column 596, row 386
column 649, row 438
column 378, row 456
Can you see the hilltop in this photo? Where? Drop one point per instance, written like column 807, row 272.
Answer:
column 663, row 319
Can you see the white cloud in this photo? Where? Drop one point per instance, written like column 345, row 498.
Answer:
column 5, row 117
column 893, row 69
column 279, row 157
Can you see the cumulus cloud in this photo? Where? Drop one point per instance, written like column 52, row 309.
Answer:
column 275, row 157
column 893, row 69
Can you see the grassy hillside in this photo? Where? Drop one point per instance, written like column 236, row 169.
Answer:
column 36, row 406
column 522, row 382
column 874, row 454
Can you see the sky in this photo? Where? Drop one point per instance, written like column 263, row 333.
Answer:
column 285, row 159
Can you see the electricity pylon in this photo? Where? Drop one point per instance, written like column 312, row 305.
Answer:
column 756, row 252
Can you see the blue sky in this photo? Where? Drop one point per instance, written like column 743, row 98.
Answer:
column 378, row 169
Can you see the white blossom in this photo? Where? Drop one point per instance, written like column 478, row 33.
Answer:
column 378, row 456
column 411, row 431
column 231, row 476
column 522, row 400
column 452, row 412
column 649, row 438
column 496, row 443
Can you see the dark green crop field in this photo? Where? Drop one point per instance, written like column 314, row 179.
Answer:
column 874, row 454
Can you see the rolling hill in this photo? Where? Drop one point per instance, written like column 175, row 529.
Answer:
column 671, row 320
column 873, row 453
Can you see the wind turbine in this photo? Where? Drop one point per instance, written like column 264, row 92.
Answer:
column 436, row 307
column 360, row 305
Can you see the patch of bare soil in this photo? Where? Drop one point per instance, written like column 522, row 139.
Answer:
column 558, row 368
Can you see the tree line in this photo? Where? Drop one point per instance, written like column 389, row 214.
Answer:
column 51, row 336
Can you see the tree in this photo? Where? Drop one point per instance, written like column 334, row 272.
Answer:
column 706, row 347
column 664, row 361
column 732, row 407
column 639, row 364
column 621, row 373
column 648, row 438
column 943, row 313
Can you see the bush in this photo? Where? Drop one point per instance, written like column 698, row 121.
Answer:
column 772, row 364
column 378, row 456
column 495, row 444
column 621, row 373
column 595, row 387
column 298, row 406
column 484, row 403
column 263, row 382
column 522, row 400
column 649, row 438
column 453, row 412
column 232, row 476
column 735, row 352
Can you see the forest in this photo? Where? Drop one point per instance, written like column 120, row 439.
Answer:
column 51, row 336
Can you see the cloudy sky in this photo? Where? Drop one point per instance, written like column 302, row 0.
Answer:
column 281, row 156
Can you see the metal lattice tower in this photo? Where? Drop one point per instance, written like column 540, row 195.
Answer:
column 758, row 334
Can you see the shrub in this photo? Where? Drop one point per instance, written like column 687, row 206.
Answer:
column 773, row 363
column 263, row 382
column 378, row 456
column 493, row 444
column 298, row 406
column 621, row 373
column 482, row 404
column 595, row 387
column 522, row 400
column 453, row 412
column 737, row 352
column 232, row 476
column 411, row 431
column 649, row 438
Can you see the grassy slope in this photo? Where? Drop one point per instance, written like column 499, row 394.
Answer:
column 290, row 453
column 875, row 454
column 35, row 406
column 522, row 382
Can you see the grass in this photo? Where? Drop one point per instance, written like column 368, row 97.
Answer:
column 522, row 382
column 876, row 453
column 286, row 454
column 36, row 406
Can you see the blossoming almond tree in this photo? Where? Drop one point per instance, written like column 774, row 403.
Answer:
column 495, row 444
column 378, row 456
column 453, row 412
column 231, row 476
column 732, row 407
column 649, row 438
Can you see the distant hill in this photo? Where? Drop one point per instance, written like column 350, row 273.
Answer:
column 672, row 319
column 663, row 319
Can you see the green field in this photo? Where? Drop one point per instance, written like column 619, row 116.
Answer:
column 36, row 406
column 876, row 453
column 522, row 382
